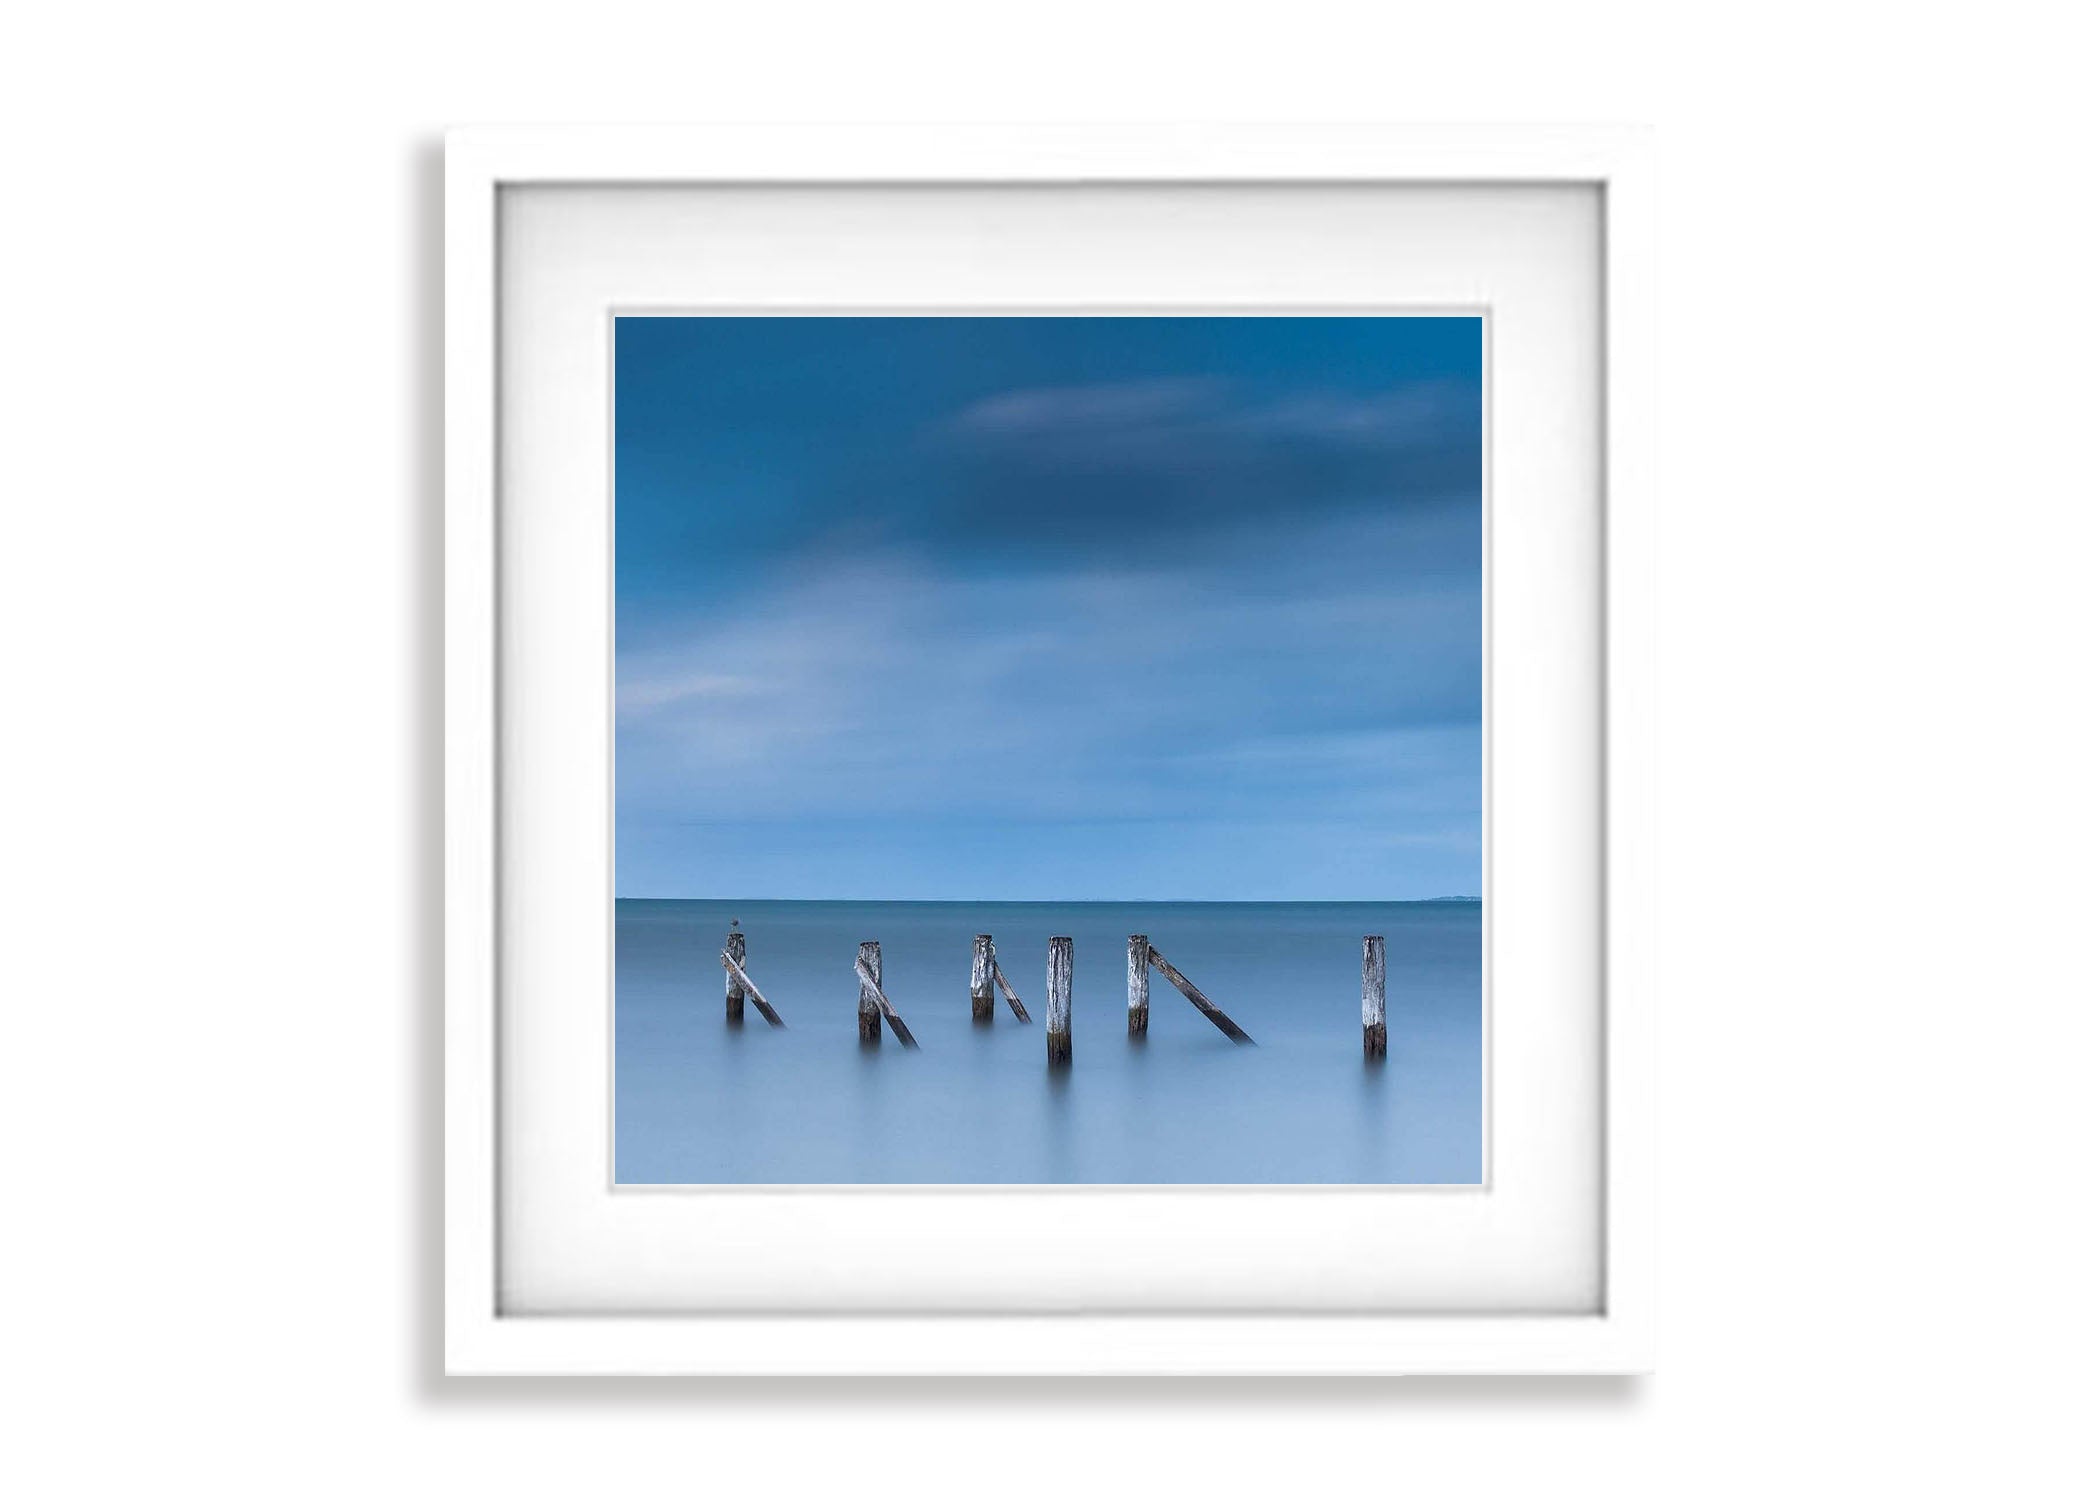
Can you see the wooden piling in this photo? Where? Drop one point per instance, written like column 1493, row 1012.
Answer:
column 1201, row 1001
column 870, row 966
column 1374, row 997
column 1006, row 988
column 735, row 971
column 871, row 982
column 981, row 979
column 1140, row 1010
column 732, row 990
column 1058, row 1017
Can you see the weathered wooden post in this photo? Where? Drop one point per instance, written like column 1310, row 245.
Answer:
column 737, row 972
column 1059, row 1016
column 732, row 988
column 870, row 1013
column 1374, row 997
column 981, row 978
column 1140, row 1012
column 871, row 984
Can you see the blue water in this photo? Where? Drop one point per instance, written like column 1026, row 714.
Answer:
column 700, row 1101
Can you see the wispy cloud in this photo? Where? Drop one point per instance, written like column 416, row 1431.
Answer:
column 645, row 693
column 1056, row 470
column 1066, row 409
column 1169, row 412
column 1427, row 413
column 1097, row 692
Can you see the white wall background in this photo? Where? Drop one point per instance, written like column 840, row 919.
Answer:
column 219, row 584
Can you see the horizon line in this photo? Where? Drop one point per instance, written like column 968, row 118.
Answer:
column 1060, row 900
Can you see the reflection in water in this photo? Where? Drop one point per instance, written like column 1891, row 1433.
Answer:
column 1374, row 1096
column 1057, row 1117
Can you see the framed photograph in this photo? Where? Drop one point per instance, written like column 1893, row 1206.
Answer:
column 1047, row 743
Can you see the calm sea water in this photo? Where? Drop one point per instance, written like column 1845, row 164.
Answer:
column 699, row 1101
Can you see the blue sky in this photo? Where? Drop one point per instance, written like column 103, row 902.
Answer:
column 1048, row 608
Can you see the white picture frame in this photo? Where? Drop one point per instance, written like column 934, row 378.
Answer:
column 480, row 1336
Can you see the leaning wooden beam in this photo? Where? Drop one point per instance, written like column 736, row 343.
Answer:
column 999, row 976
column 1197, row 998
column 750, row 990
column 1374, row 997
column 1059, row 1017
column 869, row 982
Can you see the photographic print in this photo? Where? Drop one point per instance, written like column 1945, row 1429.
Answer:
column 1047, row 750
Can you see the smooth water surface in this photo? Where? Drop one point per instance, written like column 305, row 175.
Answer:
column 700, row 1101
